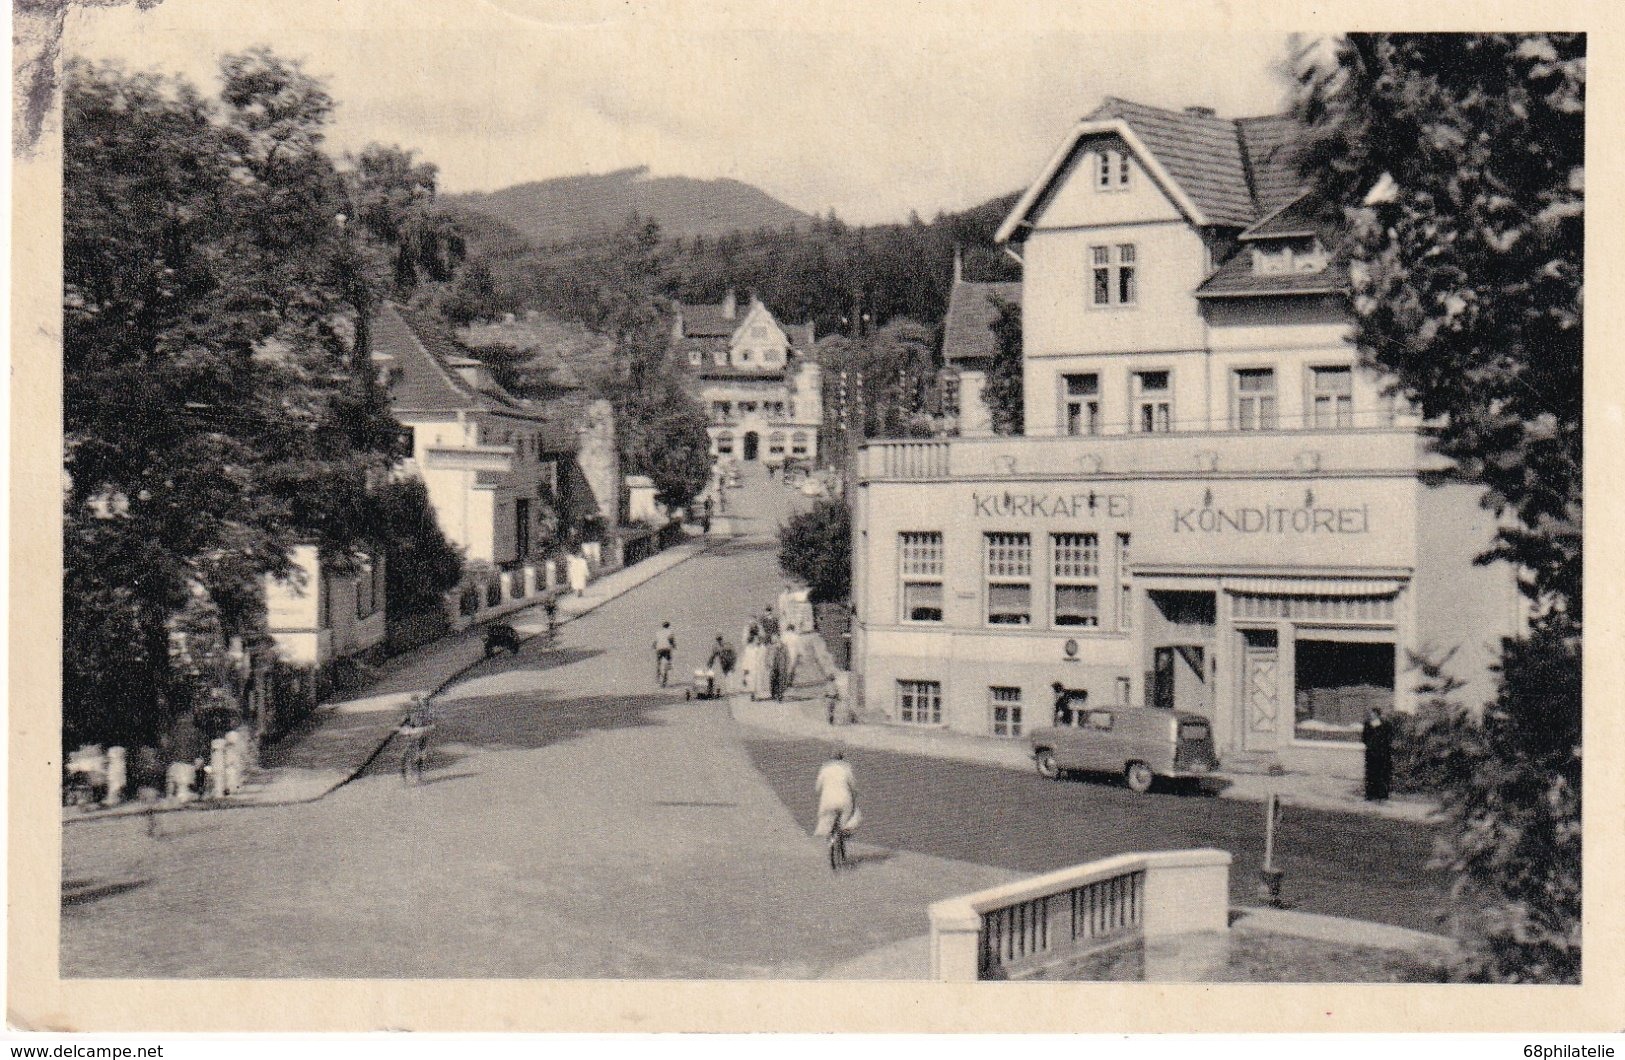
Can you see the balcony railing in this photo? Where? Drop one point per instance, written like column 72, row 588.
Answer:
column 1389, row 449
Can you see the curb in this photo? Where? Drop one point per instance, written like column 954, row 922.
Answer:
column 920, row 746
column 706, row 544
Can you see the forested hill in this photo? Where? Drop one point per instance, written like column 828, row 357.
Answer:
column 824, row 271
column 567, row 209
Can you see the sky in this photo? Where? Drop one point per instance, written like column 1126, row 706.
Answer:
column 874, row 109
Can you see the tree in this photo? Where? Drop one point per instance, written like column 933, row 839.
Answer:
column 214, row 410
column 1003, row 392
column 815, row 547
column 421, row 565
column 1454, row 166
column 880, row 383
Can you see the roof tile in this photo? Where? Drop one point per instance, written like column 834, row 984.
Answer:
column 971, row 312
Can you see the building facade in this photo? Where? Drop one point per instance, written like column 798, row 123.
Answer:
column 757, row 380
column 1214, row 506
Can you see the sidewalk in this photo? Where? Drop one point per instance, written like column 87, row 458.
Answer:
column 803, row 718
column 341, row 738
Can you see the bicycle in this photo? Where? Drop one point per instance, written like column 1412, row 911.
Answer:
column 837, row 844
column 416, row 756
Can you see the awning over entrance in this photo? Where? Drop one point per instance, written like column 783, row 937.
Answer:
column 1314, row 586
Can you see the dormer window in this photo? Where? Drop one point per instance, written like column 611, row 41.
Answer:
column 1111, row 170
column 1290, row 261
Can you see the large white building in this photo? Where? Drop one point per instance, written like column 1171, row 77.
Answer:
column 757, row 379
column 1214, row 506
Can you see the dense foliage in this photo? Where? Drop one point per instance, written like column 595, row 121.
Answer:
column 422, row 565
column 1004, row 392
column 219, row 404
column 880, row 384
column 1455, row 164
column 815, row 548
column 841, row 278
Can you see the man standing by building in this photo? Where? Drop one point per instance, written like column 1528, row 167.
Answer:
column 1378, row 737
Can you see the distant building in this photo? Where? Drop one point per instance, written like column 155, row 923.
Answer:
column 505, row 478
column 494, row 464
column 757, row 379
column 1215, row 507
column 968, row 348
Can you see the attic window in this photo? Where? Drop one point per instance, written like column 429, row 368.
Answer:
column 694, row 357
column 1111, row 171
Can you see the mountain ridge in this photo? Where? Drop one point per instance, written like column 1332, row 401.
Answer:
column 581, row 206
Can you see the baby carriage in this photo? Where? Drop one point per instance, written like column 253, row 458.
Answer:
column 704, row 686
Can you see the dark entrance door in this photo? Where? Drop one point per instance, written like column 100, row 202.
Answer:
column 1178, row 677
column 751, row 444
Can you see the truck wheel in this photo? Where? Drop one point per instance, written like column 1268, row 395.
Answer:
column 1048, row 767
column 1138, row 776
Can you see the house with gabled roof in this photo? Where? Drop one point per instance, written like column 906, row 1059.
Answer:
column 968, row 349
column 1216, row 507
column 506, row 477
column 756, row 378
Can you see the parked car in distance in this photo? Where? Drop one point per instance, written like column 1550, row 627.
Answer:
column 499, row 636
column 1138, row 743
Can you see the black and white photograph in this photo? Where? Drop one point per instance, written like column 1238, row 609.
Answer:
column 923, row 496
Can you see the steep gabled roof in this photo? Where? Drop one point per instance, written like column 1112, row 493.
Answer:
column 966, row 333
column 424, row 356
column 1218, row 171
column 1200, row 151
column 706, row 320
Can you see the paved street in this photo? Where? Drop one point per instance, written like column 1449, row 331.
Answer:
column 578, row 822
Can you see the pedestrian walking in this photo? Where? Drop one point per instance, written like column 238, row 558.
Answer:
column 665, row 648
column 778, row 670
column 1378, row 736
column 769, row 625
column 722, row 659
column 832, row 697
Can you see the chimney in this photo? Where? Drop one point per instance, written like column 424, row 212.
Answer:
column 1202, row 112
column 959, row 264
column 730, row 306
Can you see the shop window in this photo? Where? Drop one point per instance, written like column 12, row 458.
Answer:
column 798, row 444
column 1075, row 562
column 775, row 443
column 1253, row 404
column 1153, row 402
column 1331, row 397
column 1113, row 269
column 1081, row 400
column 1005, row 705
column 725, row 444
column 1009, row 570
column 919, row 702
column 1125, row 594
column 1337, row 683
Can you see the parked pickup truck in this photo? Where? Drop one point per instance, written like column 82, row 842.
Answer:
column 1139, row 743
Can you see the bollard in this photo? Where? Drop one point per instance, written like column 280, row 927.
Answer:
column 234, row 761
column 117, row 776
column 182, row 776
column 217, row 769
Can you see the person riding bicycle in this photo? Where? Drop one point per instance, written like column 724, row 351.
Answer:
column 665, row 645
column 420, row 718
column 837, row 789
